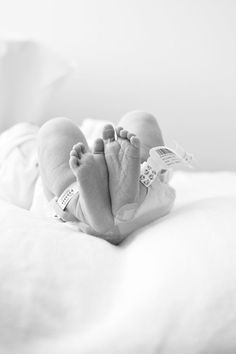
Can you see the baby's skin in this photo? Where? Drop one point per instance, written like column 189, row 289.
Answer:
column 108, row 183
column 123, row 161
column 90, row 171
column 108, row 179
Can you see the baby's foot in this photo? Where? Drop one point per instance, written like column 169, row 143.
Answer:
column 91, row 173
column 123, row 162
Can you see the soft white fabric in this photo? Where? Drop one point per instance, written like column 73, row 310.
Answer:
column 170, row 288
column 30, row 74
column 18, row 164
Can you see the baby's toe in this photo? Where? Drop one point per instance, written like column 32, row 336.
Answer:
column 73, row 162
column 73, row 153
column 129, row 135
column 98, row 146
column 76, row 152
column 82, row 148
column 118, row 130
column 108, row 133
column 79, row 148
column 135, row 141
column 123, row 134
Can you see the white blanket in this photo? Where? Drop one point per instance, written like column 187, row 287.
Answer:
column 170, row 288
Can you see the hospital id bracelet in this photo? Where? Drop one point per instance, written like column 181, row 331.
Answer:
column 67, row 195
column 166, row 157
column 148, row 174
column 161, row 160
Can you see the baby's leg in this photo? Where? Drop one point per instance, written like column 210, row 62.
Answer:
column 55, row 141
column 123, row 157
column 91, row 174
column 59, row 141
column 145, row 127
column 123, row 162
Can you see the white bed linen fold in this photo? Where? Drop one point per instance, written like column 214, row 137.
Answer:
column 170, row 288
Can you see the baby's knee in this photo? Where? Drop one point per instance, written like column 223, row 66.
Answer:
column 59, row 130
column 57, row 125
column 146, row 127
column 140, row 117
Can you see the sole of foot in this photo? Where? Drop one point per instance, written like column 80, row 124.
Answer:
column 122, row 155
column 91, row 174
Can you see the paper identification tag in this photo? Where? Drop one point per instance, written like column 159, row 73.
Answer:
column 166, row 157
column 161, row 160
column 67, row 195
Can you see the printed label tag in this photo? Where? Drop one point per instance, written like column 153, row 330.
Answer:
column 147, row 175
column 167, row 156
column 162, row 159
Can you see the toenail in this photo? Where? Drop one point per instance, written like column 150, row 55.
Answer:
column 123, row 132
column 98, row 146
column 130, row 135
column 108, row 133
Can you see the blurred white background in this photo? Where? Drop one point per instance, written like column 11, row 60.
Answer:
column 174, row 58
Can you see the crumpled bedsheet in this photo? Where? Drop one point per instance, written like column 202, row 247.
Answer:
column 170, row 288
column 18, row 164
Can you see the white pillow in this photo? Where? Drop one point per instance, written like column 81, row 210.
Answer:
column 29, row 75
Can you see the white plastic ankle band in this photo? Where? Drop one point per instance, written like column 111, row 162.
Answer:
column 148, row 174
column 67, row 195
column 161, row 160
